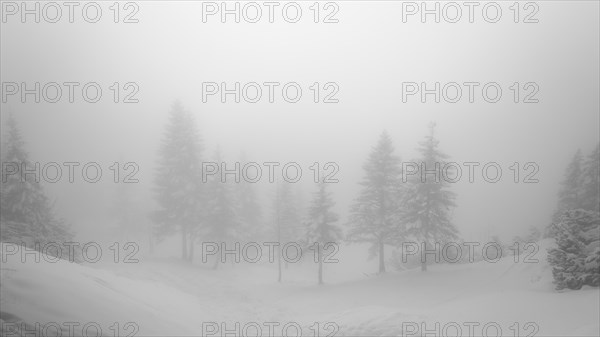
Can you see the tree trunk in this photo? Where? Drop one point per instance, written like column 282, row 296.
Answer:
column 381, row 257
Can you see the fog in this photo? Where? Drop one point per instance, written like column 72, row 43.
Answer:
column 368, row 55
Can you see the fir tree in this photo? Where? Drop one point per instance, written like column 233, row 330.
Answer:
column 375, row 214
column 286, row 220
column 576, row 260
column 302, row 208
column 429, row 199
column 222, row 224
column 322, row 230
column 580, row 188
column 179, row 182
column 25, row 211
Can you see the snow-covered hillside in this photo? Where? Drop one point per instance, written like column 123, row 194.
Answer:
column 168, row 298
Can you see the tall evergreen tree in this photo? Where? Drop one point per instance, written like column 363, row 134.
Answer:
column 222, row 224
column 374, row 216
column 286, row 220
column 430, row 200
column 576, row 224
column 178, row 181
column 299, row 199
column 322, row 218
column 26, row 213
column 580, row 188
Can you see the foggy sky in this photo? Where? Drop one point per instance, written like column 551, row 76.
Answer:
column 369, row 53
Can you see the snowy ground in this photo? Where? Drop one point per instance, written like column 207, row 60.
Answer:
column 166, row 297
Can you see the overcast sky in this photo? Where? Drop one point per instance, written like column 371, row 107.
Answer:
column 369, row 53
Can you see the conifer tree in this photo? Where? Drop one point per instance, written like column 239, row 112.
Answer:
column 375, row 214
column 580, row 188
column 576, row 260
column 430, row 199
column 221, row 225
column 286, row 221
column 178, row 181
column 322, row 218
column 26, row 214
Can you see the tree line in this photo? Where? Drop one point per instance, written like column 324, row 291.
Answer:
column 387, row 210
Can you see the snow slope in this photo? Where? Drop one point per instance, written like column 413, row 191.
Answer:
column 168, row 298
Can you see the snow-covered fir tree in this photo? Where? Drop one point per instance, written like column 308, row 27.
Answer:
column 322, row 219
column 375, row 215
column 580, row 188
column 430, row 199
column 576, row 260
column 26, row 214
column 179, row 180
